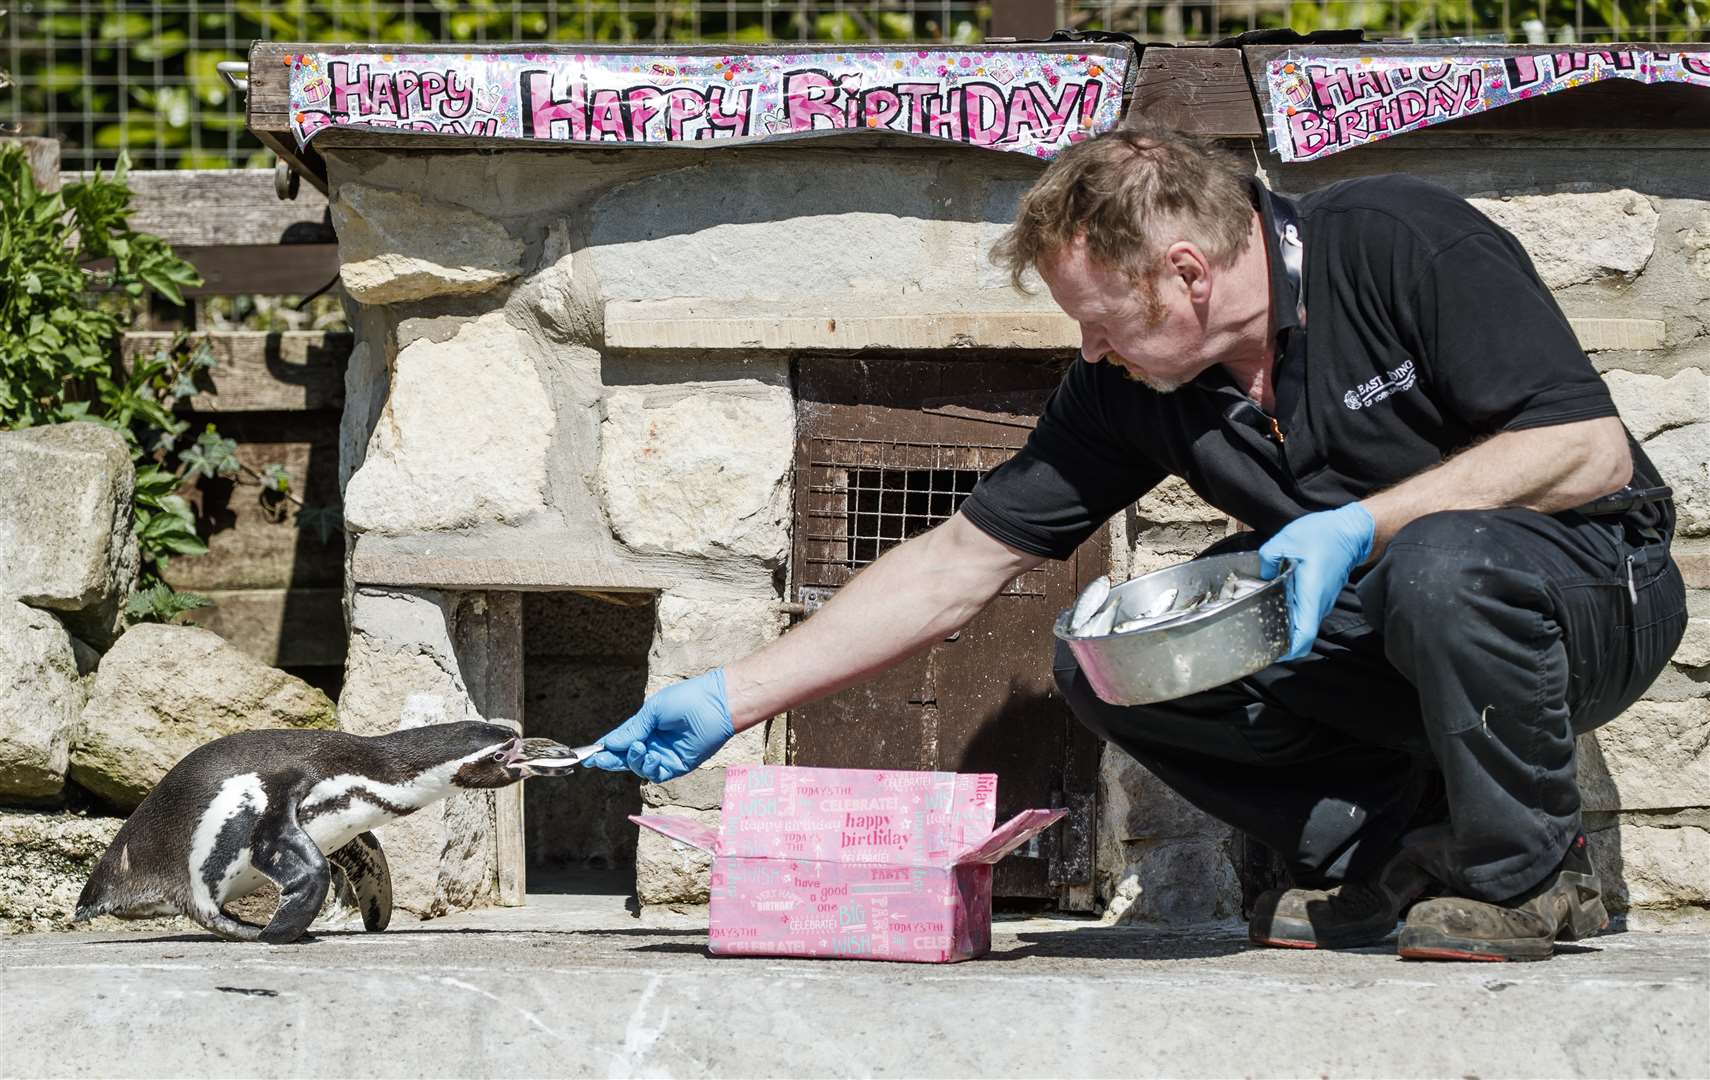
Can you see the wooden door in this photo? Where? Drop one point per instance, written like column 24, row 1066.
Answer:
column 885, row 450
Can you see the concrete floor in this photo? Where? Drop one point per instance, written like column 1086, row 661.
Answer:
column 573, row 985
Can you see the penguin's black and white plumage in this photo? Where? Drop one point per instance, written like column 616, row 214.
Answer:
column 288, row 806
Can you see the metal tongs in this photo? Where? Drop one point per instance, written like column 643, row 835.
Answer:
column 577, row 756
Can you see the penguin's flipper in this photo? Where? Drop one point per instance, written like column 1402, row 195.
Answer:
column 364, row 866
column 287, row 856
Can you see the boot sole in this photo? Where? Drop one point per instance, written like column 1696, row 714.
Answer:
column 1586, row 918
column 1292, row 934
column 1430, row 945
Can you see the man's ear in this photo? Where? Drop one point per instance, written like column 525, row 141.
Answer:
column 1189, row 266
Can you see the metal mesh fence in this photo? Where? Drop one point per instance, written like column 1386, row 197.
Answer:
column 105, row 76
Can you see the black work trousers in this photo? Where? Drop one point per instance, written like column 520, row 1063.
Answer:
column 1471, row 652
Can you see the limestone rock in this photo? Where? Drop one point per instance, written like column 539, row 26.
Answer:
column 566, row 310
column 1174, row 503
column 1160, row 858
column 1137, row 807
column 1650, row 404
column 365, row 382
column 694, row 471
column 1682, row 455
column 702, row 789
column 395, row 246
column 1656, row 755
column 1181, row 882
column 1696, row 245
column 162, row 691
column 46, row 857
column 670, row 872
column 401, row 672
column 44, row 860
column 1653, row 861
column 65, row 524
column 1694, row 649
column 1575, row 237
column 462, row 440
column 41, row 695
column 695, row 634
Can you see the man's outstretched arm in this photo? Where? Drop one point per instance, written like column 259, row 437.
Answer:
column 917, row 593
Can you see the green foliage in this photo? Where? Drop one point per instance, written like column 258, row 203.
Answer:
column 148, row 78
column 59, row 332
column 160, row 603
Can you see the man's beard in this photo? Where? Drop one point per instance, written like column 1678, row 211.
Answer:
column 1162, row 386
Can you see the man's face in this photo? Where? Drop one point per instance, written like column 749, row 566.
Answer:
column 1154, row 334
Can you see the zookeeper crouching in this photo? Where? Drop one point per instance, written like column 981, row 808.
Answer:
column 1374, row 379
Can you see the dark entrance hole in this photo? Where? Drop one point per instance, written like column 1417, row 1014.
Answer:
column 584, row 672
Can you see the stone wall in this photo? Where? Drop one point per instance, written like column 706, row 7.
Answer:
column 493, row 438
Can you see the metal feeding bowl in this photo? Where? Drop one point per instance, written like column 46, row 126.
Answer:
column 1195, row 652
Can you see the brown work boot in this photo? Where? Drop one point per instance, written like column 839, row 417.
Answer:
column 1352, row 914
column 1566, row 906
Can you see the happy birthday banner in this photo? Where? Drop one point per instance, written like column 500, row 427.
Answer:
column 1322, row 105
column 1034, row 102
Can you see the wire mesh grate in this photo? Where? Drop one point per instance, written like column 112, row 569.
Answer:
column 112, row 76
column 858, row 498
column 888, row 506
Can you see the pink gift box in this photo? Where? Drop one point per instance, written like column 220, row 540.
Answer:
column 854, row 862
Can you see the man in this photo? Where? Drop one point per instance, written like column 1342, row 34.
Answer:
column 1374, row 379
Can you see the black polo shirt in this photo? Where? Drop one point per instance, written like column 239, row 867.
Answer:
column 1426, row 329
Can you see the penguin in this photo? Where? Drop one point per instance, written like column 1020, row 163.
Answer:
column 288, row 806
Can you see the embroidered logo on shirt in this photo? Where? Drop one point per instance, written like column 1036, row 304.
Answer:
column 1379, row 387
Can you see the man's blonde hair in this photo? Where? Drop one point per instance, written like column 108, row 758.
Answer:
column 1132, row 192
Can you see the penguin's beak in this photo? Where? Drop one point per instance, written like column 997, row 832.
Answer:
column 543, row 757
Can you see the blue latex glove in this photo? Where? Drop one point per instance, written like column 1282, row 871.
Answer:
column 676, row 729
column 1324, row 549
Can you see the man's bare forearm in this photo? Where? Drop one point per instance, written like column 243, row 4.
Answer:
column 919, row 592
column 1547, row 469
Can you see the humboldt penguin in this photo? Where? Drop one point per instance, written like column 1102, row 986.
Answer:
column 288, row 806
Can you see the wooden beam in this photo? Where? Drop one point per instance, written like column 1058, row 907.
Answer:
column 1022, row 20
column 43, row 156
column 1199, row 90
column 282, row 627
column 490, row 656
column 260, row 371
column 222, row 207
column 252, row 545
column 269, row 270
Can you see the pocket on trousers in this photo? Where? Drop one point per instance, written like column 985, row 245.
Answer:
column 1641, row 647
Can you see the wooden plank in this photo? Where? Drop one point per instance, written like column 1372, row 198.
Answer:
column 222, row 207
column 264, row 371
column 1200, row 90
column 246, row 548
column 1022, row 20
column 652, row 324
column 43, row 156
column 282, row 627
column 275, row 270
column 490, row 655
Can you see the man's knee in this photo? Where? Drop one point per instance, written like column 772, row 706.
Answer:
column 1437, row 566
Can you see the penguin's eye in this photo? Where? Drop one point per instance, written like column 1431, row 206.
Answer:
column 498, row 755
